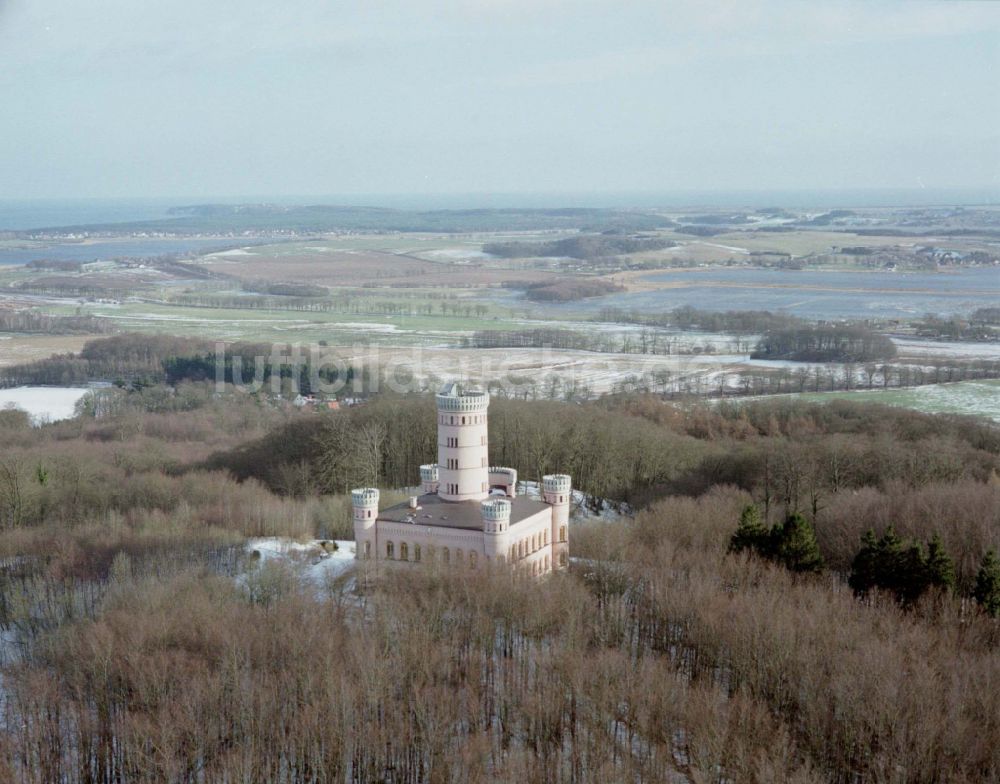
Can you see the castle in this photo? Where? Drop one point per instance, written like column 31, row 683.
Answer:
column 469, row 513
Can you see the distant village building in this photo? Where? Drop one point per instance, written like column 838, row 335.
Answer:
column 469, row 513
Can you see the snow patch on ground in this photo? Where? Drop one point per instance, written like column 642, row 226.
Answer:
column 457, row 253
column 318, row 564
column 223, row 253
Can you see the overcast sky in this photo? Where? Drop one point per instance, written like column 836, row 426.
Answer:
column 205, row 98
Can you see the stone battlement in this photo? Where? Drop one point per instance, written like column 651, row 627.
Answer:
column 454, row 397
column 556, row 483
column 496, row 509
column 364, row 496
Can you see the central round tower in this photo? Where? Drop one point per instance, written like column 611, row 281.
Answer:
column 463, row 446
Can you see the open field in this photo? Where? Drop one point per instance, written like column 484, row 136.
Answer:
column 376, row 278
column 16, row 348
column 325, row 266
column 807, row 293
column 977, row 398
column 285, row 326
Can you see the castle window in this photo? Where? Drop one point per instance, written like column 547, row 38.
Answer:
column 545, row 537
column 562, row 559
column 452, row 420
column 390, row 551
column 463, row 420
column 404, row 552
column 546, row 563
column 446, row 555
column 416, row 552
column 368, row 550
column 458, row 555
column 562, row 533
column 369, row 512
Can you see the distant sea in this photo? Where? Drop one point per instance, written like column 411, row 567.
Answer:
column 45, row 213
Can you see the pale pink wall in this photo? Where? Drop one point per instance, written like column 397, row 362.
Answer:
column 467, row 447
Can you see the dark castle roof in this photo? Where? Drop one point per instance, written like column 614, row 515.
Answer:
column 434, row 511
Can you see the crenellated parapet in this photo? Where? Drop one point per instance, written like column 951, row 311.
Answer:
column 456, row 398
column 429, row 478
column 496, row 515
column 364, row 497
column 556, row 484
column 505, row 478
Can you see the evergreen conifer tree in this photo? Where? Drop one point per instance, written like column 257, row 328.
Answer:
column 987, row 590
column 794, row 545
column 940, row 567
column 866, row 564
column 910, row 578
column 751, row 534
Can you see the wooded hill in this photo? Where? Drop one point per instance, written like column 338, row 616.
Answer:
column 151, row 647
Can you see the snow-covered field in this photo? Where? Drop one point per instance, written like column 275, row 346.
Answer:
column 923, row 347
column 975, row 398
column 44, row 404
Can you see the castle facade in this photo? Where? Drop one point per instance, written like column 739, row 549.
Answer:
column 469, row 513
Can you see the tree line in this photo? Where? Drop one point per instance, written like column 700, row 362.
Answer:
column 31, row 321
column 586, row 246
column 825, row 343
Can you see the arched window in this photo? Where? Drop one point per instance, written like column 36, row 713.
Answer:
column 446, row 555
column 545, row 536
column 416, row 552
column 368, row 550
column 562, row 559
column 463, row 420
column 404, row 552
column 390, row 551
column 369, row 512
column 562, row 533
